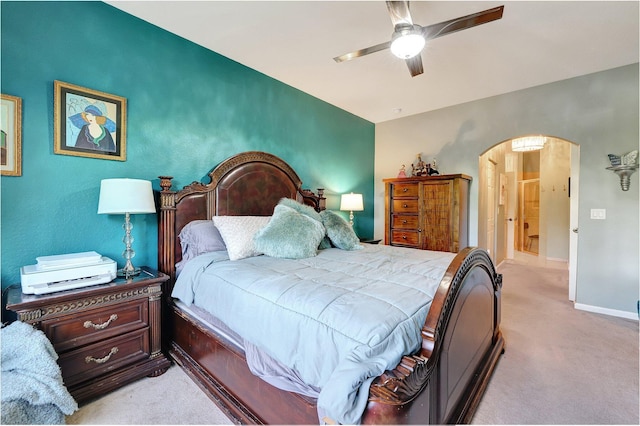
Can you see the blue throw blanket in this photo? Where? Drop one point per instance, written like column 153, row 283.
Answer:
column 337, row 320
column 32, row 387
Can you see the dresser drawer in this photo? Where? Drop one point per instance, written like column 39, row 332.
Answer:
column 404, row 190
column 405, row 206
column 405, row 238
column 99, row 358
column 404, row 222
column 69, row 332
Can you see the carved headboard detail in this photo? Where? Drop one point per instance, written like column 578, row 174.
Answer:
column 247, row 184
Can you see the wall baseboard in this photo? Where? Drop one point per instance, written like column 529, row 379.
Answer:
column 606, row 311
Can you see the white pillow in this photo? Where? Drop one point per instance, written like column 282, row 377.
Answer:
column 237, row 233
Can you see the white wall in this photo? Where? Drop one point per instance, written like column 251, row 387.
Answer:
column 599, row 112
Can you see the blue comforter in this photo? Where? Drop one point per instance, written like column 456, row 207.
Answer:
column 338, row 319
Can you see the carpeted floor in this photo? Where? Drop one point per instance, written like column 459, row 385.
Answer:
column 170, row 399
column 561, row 366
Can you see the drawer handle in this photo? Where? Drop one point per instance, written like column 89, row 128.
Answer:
column 89, row 324
column 112, row 352
column 404, row 221
column 404, row 237
column 405, row 206
column 405, row 189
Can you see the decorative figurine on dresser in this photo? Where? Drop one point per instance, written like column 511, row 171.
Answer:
column 427, row 212
column 420, row 168
column 106, row 335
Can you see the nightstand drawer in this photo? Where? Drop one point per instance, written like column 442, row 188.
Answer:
column 405, row 238
column 404, row 222
column 405, row 190
column 97, row 324
column 405, row 206
column 94, row 360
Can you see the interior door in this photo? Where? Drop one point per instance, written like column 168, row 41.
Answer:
column 510, row 198
column 491, row 209
column 573, row 220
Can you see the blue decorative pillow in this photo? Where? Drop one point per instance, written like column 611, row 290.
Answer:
column 309, row 211
column 301, row 208
column 339, row 231
column 289, row 234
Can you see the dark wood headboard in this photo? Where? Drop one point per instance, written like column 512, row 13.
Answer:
column 247, row 184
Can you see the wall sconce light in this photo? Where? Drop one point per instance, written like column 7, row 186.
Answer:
column 351, row 203
column 126, row 196
column 624, row 166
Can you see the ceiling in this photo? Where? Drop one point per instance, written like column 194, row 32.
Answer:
column 295, row 42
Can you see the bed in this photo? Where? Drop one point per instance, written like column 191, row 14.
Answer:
column 439, row 381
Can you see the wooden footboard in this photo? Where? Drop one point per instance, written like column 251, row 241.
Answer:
column 461, row 346
column 442, row 383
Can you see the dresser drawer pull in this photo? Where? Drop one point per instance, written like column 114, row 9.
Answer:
column 404, row 222
column 112, row 352
column 405, row 206
column 89, row 324
column 404, row 237
column 405, row 189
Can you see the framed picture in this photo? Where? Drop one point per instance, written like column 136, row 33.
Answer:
column 11, row 136
column 89, row 123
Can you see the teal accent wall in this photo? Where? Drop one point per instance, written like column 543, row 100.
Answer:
column 188, row 109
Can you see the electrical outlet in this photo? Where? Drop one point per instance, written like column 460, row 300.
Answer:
column 599, row 214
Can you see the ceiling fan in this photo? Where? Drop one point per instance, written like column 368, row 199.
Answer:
column 408, row 39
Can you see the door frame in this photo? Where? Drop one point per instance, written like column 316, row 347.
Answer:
column 574, row 187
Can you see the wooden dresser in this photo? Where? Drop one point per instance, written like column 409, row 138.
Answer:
column 105, row 336
column 427, row 212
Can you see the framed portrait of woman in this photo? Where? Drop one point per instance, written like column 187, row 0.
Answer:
column 11, row 136
column 89, row 123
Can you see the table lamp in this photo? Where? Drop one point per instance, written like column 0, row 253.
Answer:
column 351, row 203
column 126, row 196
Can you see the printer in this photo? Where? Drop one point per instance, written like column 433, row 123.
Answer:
column 67, row 271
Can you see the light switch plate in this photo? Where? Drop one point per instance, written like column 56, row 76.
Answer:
column 599, row 214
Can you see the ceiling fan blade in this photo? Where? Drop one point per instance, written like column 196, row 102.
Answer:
column 362, row 52
column 399, row 12
column 415, row 65
column 462, row 23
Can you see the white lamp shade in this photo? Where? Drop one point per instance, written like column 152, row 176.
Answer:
column 351, row 202
column 121, row 196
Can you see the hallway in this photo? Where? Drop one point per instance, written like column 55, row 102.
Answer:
column 524, row 258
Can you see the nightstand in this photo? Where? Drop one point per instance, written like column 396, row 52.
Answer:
column 105, row 335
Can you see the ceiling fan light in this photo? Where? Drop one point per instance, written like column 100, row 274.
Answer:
column 528, row 143
column 407, row 45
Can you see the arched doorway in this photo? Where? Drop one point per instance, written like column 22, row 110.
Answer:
column 528, row 204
